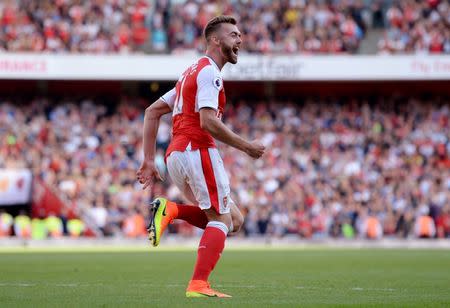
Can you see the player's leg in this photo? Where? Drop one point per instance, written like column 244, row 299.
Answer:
column 165, row 211
column 192, row 214
column 237, row 219
column 209, row 251
column 195, row 216
column 212, row 192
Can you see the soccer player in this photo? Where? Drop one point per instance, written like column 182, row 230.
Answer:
column 197, row 103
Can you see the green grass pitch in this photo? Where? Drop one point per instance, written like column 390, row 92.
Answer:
column 304, row 277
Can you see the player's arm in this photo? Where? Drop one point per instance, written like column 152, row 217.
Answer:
column 148, row 171
column 209, row 85
column 151, row 124
column 213, row 125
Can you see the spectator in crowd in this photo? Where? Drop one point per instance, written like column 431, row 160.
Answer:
column 134, row 225
column 75, row 227
column 22, row 225
column 424, row 226
column 371, row 227
column 6, row 223
column 39, row 229
column 54, row 226
column 443, row 222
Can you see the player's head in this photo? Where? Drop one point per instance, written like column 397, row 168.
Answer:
column 221, row 33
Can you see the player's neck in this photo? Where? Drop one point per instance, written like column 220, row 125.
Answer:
column 216, row 58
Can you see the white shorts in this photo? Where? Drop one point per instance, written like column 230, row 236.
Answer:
column 201, row 174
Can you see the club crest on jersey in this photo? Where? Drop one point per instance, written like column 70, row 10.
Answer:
column 217, row 83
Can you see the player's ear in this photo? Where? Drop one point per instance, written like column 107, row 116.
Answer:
column 215, row 39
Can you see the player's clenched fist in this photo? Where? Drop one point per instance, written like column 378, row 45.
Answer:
column 256, row 149
column 147, row 173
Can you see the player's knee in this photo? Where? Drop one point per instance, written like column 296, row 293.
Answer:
column 238, row 222
column 226, row 219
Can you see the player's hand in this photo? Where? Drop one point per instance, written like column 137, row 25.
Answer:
column 256, row 149
column 148, row 174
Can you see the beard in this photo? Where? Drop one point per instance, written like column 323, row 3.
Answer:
column 228, row 54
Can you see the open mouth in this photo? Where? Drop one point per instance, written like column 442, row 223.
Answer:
column 235, row 50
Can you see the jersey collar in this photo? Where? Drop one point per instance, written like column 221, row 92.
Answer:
column 213, row 62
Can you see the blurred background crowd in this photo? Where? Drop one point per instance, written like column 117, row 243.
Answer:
column 281, row 26
column 338, row 167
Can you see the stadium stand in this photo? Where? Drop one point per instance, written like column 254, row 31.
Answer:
column 124, row 26
column 281, row 27
column 417, row 27
column 73, row 26
column 340, row 167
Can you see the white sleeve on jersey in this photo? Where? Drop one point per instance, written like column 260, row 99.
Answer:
column 209, row 84
column 169, row 98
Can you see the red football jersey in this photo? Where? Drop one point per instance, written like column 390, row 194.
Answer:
column 199, row 86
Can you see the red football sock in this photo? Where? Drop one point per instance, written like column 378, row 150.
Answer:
column 192, row 215
column 209, row 250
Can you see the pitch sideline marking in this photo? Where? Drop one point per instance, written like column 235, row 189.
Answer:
column 373, row 289
column 17, row 284
column 174, row 285
column 353, row 289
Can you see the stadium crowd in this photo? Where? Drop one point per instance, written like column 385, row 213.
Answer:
column 275, row 26
column 417, row 26
column 282, row 26
column 78, row 26
column 338, row 167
